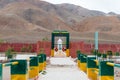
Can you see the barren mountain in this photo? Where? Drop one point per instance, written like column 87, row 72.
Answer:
column 34, row 15
column 33, row 20
column 68, row 13
column 108, row 24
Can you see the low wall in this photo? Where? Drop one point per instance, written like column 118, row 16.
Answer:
column 17, row 46
column 46, row 46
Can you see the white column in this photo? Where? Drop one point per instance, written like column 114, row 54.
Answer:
column 59, row 44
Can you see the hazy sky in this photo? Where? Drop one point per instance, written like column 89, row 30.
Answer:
column 101, row 5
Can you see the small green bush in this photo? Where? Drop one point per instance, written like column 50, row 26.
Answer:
column 99, row 54
column 117, row 54
column 42, row 51
column 9, row 53
column 104, row 55
column 23, row 49
column 109, row 53
column 95, row 52
column 29, row 48
column 78, row 52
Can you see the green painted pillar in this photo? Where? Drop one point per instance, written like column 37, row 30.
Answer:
column 91, row 68
column 19, row 71
column 1, row 71
column 34, row 67
column 106, row 72
column 67, row 40
column 52, row 44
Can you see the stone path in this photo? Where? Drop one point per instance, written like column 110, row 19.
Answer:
column 62, row 69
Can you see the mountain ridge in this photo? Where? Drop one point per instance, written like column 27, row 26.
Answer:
column 34, row 18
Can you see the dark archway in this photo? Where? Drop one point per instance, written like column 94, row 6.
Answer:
column 59, row 33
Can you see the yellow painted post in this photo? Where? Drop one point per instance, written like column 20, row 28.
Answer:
column 83, row 67
column 41, row 62
column 83, row 64
column 19, row 77
column 34, row 67
column 19, row 71
column 78, row 61
column 45, row 63
column 106, row 78
column 45, row 58
column 52, row 53
column 106, row 70
column 67, row 52
column 41, row 67
column 92, row 71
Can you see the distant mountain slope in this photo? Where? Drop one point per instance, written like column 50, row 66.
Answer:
column 80, row 11
column 108, row 24
column 69, row 13
column 25, row 19
column 34, row 15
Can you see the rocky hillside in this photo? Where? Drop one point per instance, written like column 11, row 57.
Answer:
column 33, row 20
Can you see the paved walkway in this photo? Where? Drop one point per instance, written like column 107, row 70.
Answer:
column 63, row 69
